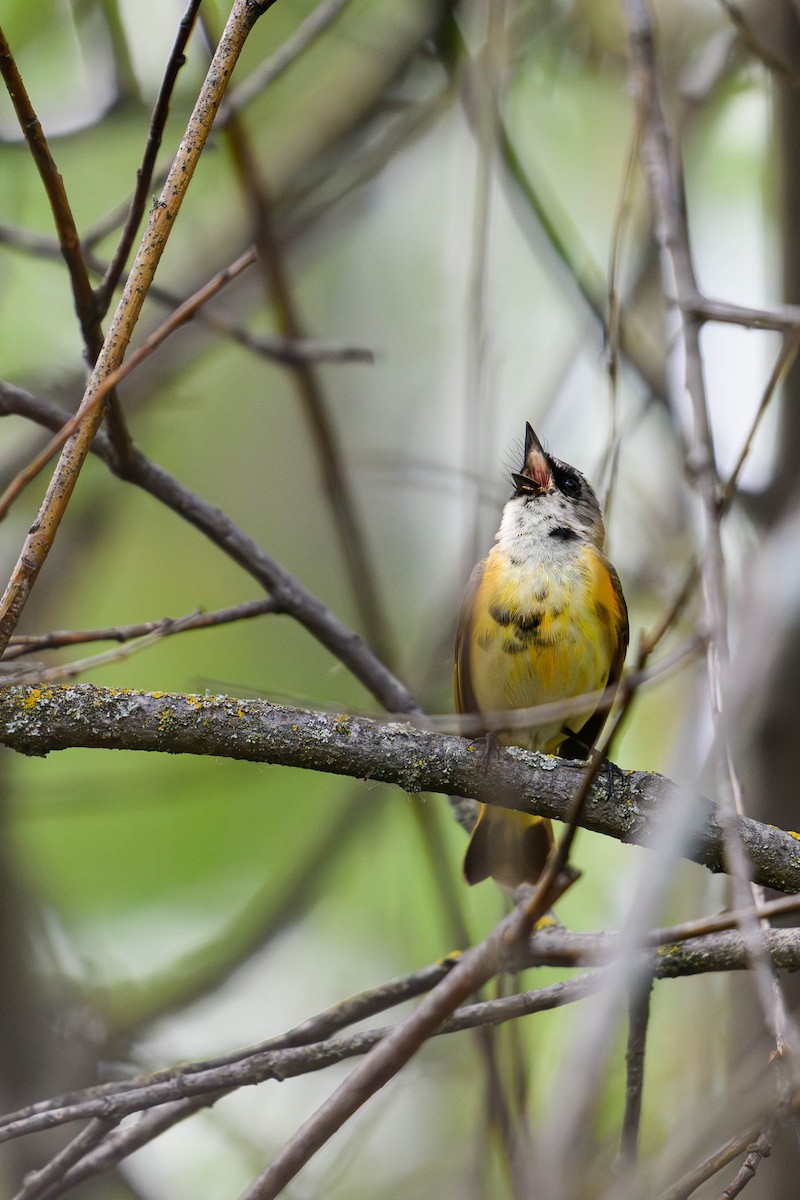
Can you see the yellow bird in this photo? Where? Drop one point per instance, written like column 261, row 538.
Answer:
column 543, row 619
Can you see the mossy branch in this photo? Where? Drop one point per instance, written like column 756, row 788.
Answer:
column 631, row 806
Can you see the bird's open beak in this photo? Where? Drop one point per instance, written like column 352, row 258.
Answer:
column 535, row 474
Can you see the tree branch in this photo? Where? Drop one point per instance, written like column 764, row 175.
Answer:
column 287, row 591
column 39, row 541
column 629, row 806
column 317, row 1042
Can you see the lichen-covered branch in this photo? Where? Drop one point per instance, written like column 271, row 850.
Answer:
column 632, row 806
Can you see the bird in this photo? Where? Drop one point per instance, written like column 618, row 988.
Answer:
column 543, row 619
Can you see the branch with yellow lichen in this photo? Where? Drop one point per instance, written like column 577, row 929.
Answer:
column 631, row 806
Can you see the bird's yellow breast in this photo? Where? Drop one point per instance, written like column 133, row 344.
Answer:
column 542, row 632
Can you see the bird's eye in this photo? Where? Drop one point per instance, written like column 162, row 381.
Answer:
column 571, row 486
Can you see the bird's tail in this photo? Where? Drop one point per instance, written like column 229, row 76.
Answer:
column 511, row 847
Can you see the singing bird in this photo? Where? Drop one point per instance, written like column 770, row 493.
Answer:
column 543, row 619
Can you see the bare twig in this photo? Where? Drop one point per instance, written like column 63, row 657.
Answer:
column 638, row 1020
column 783, row 317
column 243, row 17
column 42, row 1184
column 86, row 413
column 69, row 241
column 680, row 288
column 311, row 1046
column 756, row 45
column 749, row 1141
column 308, row 385
column 614, row 317
column 144, row 174
column 288, row 593
column 267, row 345
column 783, row 364
column 121, row 1143
column 731, row 919
column 86, row 308
column 317, row 21
column 760, row 1149
column 33, row 643
column 71, row 670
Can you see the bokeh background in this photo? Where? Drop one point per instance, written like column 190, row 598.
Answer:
column 158, row 908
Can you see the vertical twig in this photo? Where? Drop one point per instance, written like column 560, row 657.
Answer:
column 638, row 1020
column 308, row 385
column 144, row 174
column 68, row 238
column 668, row 201
column 482, row 92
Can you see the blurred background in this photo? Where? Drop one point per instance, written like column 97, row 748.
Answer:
column 450, row 188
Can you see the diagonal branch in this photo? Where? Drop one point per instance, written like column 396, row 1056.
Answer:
column 178, row 1091
column 287, row 592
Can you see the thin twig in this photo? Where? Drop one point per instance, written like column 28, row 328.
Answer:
column 243, row 17
column 287, row 592
column 310, row 392
column 120, row 1144
column 638, row 1021
column 731, row 919
column 40, row 1185
column 724, row 1154
column 757, row 46
column 71, row 670
column 259, row 79
column 266, row 345
column 608, row 470
column 761, row 1149
column 144, row 175
column 86, row 413
column 668, row 202
column 784, row 318
column 86, row 308
column 34, row 643
column 783, row 364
